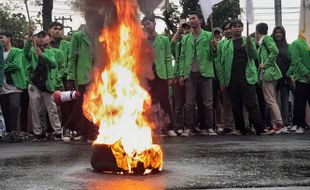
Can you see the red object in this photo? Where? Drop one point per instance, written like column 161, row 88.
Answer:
column 65, row 96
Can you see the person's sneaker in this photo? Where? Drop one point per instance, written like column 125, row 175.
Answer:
column 79, row 138
column 234, row 132
column 220, row 130
column 283, row 130
column 211, row 132
column 2, row 135
column 14, row 138
column 57, row 137
column 186, row 133
column 66, row 135
column 300, row 130
column 180, row 131
column 204, row 132
column 172, row 133
column 289, row 127
column 294, row 128
column 38, row 138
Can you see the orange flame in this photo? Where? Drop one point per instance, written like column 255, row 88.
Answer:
column 115, row 101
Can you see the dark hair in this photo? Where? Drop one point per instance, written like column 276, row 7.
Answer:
column 262, row 28
column 228, row 22
column 235, row 23
column 148, row 18
column 6, row 34
column 55, row 23
column 197, row 13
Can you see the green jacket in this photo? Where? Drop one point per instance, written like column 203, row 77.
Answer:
column 14, row 66
column 204, row 55
column 1, row 64
column 267, row 54
column 81, row 59
column 227, row 61
column 300, row 65
column 60, row 69
column 218, row 57
column 163, row 57
column 65, row 47
column 32, row 63
column 176, row 50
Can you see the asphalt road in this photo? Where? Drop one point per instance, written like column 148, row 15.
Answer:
column 206, row 162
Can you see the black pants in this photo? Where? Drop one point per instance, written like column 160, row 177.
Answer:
column 24, row 105
column 160, row 94
column 264, row 110
column 178, row 102
column 10, row 104
column 302, row 95
column 241, row 93
column 78, row 122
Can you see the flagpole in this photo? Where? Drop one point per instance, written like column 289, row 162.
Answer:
column 247, row 28
column 211, row 23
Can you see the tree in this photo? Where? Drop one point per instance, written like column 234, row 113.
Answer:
column 14, row 23
column 226, row 10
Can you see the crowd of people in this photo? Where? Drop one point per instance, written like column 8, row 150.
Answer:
column 206, row 83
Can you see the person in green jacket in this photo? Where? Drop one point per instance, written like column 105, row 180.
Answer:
column 13, row 85
column 228, row 119
column 56, row 32
column 162, row 68
column 267, row 54
column 196, row 73
column 238, row 74
column 42, row 71
column 178, row 90
column 300, row 71
column 79, row 72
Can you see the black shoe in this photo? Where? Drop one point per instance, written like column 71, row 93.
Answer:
column 13, row 137
column 57, row 137
column 38, row 138
column 246, row 131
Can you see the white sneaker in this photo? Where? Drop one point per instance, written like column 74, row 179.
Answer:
column 294, row 128
column 180, row 131
column 66, row 139
column 79, row 138
column 234, row 132
column 211, row 132
column 172, row 133
column 186, row 133
column 284, row 130
column 300, row 130
column 204, row 132
column 220, row 129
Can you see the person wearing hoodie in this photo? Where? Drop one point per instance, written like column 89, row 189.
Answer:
column 299, row 71
column 283, row 61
